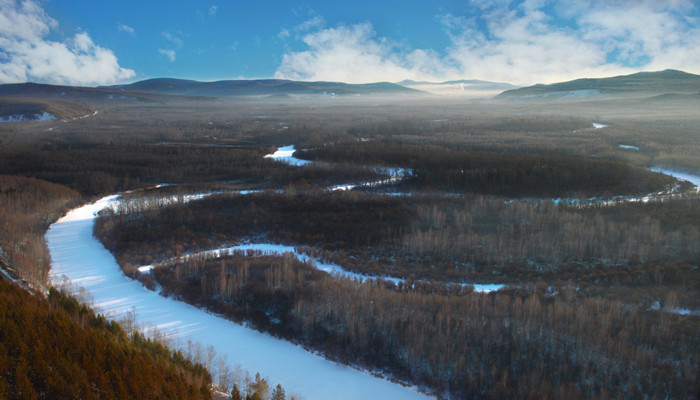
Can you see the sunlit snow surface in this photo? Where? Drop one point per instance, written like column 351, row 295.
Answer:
column 599, row 125
column 286, row 155
column 81, row 258
column 684, row 176
column 628, row 147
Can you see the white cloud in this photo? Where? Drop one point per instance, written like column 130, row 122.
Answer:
column 173, row 39
column 26, row 54
column 169, row 54
column 127, row 29
column 213, row 9
column 315, row 22
column 283, row 34
column 522, row 42
column 354, row 54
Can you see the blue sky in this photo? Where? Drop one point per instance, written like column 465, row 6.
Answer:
column 523, row 42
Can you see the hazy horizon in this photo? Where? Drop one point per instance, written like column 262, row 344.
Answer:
column 517, row 42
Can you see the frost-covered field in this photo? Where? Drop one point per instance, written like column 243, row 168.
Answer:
column 82, row 259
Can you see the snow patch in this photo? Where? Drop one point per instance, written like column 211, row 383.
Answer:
column 684, row 176
column 45, row 116
column 656, row 306
column 286, row 155
column 628, row 146
column 599, row 125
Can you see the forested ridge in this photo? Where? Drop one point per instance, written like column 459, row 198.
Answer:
column 27, row 207
column 57, row 348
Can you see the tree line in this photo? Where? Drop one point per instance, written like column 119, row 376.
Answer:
column 27, row 207
column 509, row 173
column 100, row 169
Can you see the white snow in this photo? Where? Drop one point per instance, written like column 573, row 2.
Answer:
column 286, row 155
column 599, row 125
column 45, row 116
column 656, row 306
column 628, row 146
column 395, row 175
column 82, row 259
column 489, row 287
column 694, row 179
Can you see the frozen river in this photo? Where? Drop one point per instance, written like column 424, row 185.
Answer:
column 77, row 255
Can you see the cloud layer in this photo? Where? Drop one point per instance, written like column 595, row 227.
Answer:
column 27, row 55
column 521, row 42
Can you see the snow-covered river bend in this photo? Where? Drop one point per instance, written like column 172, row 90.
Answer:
column 77, row 255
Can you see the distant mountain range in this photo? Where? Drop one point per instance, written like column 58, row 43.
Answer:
column 656, row 86
column 667, row 82
column 88, row 94
column 261, row 87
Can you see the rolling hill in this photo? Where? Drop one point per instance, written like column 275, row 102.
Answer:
column 641, row 84
column 35, row 109
column 88, row 94
column 261, row 87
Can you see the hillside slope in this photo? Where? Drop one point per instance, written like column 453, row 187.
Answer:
column 639, row 84
column 261, row 87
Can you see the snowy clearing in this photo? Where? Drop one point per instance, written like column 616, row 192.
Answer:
column 82, row 259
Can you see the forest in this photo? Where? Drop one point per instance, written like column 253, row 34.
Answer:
column 476, row 238
column 57, row 348
column 515, row 343
column 596, row 252
column 503, row 173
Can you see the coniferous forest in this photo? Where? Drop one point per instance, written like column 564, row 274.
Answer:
column 597, row 253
